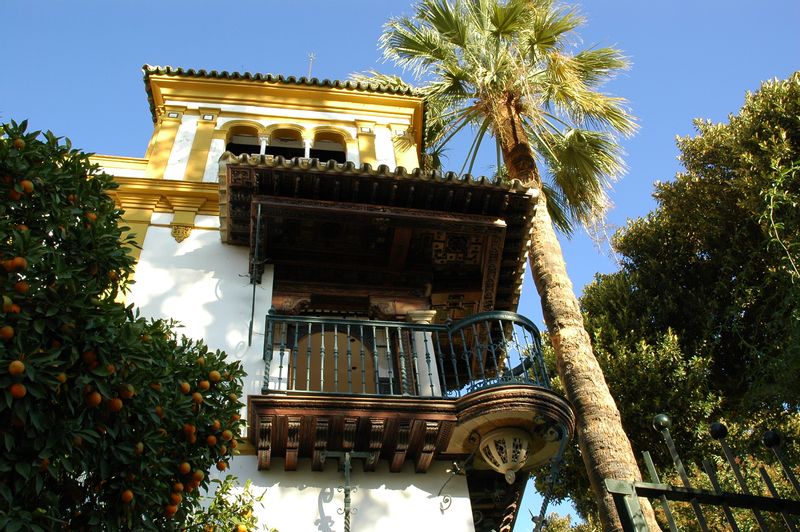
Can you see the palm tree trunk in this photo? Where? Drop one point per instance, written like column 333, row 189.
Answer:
column 605, row 447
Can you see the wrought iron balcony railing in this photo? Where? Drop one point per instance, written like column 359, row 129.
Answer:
column 348, row 356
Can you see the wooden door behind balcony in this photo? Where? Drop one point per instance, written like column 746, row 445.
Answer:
column 338, row 363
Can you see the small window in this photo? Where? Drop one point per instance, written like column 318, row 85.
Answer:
column 243, row 139
column 286, row 142
column 329, row 145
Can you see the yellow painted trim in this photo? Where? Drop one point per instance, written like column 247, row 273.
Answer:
column 332, row 129
column 240, row 122
column 117, row 161
column 167, row 130
column 166, row 190
column 264, row 94
column 366, row 143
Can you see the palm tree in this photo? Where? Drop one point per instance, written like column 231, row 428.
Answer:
column 505, row 68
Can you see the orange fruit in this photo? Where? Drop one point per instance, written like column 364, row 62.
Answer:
column 139, row 448
column 222, row 466
column 233, row 397
column 15, row 309
column 204, row 385
column 227, row 435
column 126, row 391
column 19, row 263
column 216, row 425
column 89, row 356
column 27, row 185
column 198, row 475
column 21, row 287
column 61, row 377
column 201, row 361
column 234, row 444
column 177, row 487
column 171, row 510
column 176, row 498
column 94, row 399
column 14, row 195
column 159, row 411
column 111, row 369
column 22, row 228
column 156, row 386
column 236, row 417
column 7, row 304
column 197, row 397
column 191, row 438
column 223, row 449
column 185, row 388
column 188, row 428
column 126, row 496
column 19, row 144
column 18, row 390
column 115, row 405
column 6, row 332
column 214, row 376
column 241, row 528
column 211, row 440
column 16, row 367
column 92, row 217
column 184, row 468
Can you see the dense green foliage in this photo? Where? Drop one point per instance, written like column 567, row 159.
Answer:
column 96, row 431
column 702, row 322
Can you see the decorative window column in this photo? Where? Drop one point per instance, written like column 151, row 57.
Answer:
column 427, row 368
column 168, row 121
column 264, row 141
column 201, row 145
column 307, row 143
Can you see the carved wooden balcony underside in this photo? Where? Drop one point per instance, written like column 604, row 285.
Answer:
column 396, row 429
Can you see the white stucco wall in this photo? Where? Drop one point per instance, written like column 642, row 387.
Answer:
column 179, row 156
column 202, row 283
column 211, row 173
column 305, row 500
column 384, row 149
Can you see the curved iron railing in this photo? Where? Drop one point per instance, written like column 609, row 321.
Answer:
column 329, row 355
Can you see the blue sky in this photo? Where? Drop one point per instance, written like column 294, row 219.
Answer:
column 74, row 68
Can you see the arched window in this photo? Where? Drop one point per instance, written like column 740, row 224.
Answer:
column 285, row 142
column 329, row 145
column 243, row 139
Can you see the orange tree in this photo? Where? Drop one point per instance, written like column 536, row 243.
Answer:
column 107, row 420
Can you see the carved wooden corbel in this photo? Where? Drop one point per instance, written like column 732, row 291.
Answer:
column 292, row 442
column 265, row 424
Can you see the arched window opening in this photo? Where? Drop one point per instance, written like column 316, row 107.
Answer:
column 285, row 142
column 243, row 139
column 329, row 145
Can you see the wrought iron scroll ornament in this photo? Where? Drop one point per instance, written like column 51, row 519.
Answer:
column 626, row 493
column 458, row 468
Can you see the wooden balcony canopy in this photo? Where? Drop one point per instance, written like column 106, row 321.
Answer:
column 336, row 229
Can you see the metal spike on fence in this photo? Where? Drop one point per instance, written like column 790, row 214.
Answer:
column 772, row 441
column 651, row 470
column 718, row 431
column 771, row 487
column 662, row 423
column 712, row 476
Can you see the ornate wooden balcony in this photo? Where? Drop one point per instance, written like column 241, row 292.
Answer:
column 401, row 390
